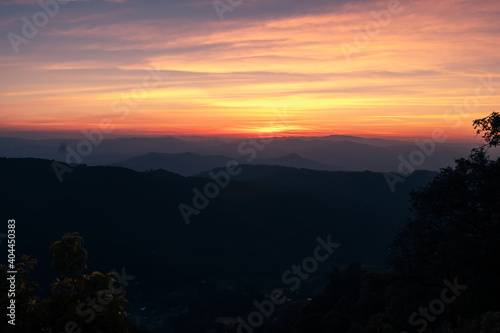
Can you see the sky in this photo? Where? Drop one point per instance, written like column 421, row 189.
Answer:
column 248, row 67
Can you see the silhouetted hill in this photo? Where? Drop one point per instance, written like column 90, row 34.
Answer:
column 338, row 182
column 349, row 155
column 295, row 161
column 189, row 164
column 265, row 220
column 113, row 201
column 378, row 142
column 186, row 164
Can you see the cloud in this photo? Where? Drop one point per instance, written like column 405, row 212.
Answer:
column 34, row 2
column 233, row 74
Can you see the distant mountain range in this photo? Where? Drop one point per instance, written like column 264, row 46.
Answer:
column 189, row 164
column 195, row 155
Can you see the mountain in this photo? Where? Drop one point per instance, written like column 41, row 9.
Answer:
column 186, row 164
column 378, row 142
column 95, row 149
column 330, row 153
column 257, row 211
column 349, row 155
column 295, row 161
column 189, row 164
column 239, row 242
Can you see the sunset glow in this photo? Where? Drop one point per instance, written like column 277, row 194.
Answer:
column 91, row 60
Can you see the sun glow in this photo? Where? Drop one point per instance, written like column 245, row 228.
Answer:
column 228, row 78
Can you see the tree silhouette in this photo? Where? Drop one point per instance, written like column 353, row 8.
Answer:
column 78, row 302
column 490, row 127
column 455, row 228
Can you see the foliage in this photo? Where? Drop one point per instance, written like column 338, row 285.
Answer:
column 78, row 301
column 490, row 126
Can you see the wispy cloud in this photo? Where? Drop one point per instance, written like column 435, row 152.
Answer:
column 231, row 75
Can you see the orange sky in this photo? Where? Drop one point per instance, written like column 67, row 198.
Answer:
column 264, row 69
